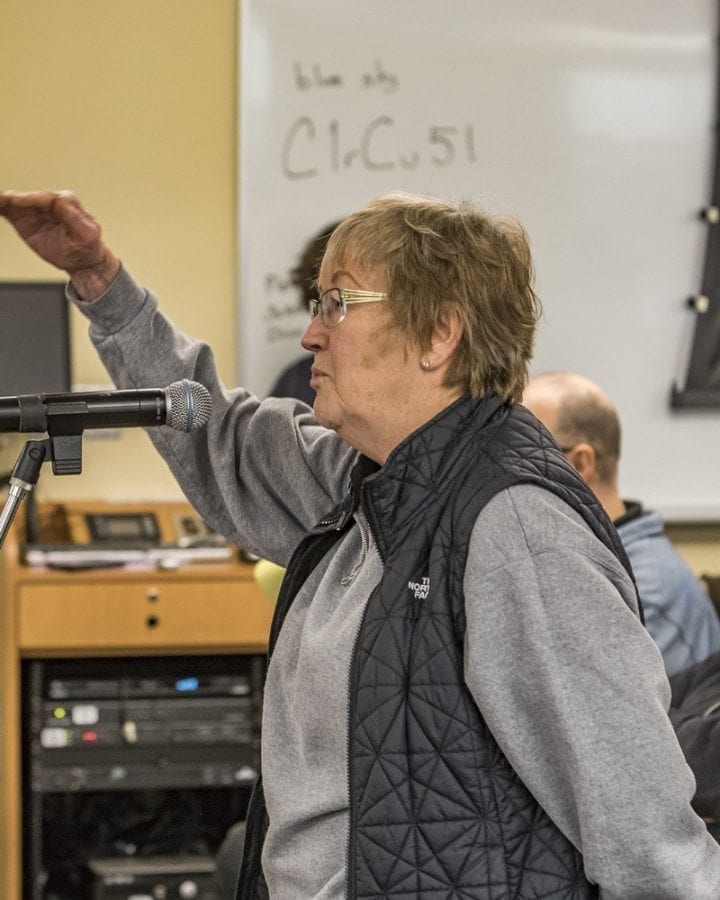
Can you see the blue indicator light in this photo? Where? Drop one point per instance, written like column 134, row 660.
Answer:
column 187, row 684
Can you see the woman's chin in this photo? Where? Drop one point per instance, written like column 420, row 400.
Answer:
column 324, row 414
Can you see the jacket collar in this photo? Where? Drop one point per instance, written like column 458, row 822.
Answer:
column 423, row 465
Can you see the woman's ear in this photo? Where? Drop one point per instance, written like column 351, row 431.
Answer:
column 444, row 341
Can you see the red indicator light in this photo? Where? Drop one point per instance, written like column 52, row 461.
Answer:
column 89, row 736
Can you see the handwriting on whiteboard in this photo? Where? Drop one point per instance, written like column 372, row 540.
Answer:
column 314, row 76
column 313, row 146
column 310, row 149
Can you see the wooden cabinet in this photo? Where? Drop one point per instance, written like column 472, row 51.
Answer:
column 150, row 614
column 198, row 608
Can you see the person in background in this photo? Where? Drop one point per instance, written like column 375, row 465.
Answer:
column 294, row 381
column 695, row 715
column 461, row 699
column 679, row 614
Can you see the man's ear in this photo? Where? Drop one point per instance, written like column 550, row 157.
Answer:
column 444, row 341
column 582, row 457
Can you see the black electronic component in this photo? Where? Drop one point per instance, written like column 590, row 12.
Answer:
column 135, row 770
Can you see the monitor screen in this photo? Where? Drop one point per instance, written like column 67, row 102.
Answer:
column 34, row 338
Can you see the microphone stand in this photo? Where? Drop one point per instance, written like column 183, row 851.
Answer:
column 65, row 451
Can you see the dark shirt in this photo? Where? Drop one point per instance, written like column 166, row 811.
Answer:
column 633, row 510
column 294, row 381
column 695, row 714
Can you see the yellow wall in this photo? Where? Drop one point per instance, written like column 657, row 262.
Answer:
column 132, row 105
column 699, row 545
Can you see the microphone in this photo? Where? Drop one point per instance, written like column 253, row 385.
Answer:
column 184, row 405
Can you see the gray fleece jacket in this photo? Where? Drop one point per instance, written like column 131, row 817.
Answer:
column 598, row 753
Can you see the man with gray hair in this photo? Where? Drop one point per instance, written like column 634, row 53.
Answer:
column 678, row 612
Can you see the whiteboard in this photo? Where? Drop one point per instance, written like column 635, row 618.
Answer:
column 592, row 122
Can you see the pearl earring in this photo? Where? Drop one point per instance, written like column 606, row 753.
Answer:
column 425, row 364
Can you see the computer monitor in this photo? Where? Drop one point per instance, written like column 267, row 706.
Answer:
column 34, row 338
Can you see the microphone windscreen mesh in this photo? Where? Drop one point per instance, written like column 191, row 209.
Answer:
column 190, row 405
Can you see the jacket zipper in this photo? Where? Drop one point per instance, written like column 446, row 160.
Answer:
column 349, row 867
column 350, row 577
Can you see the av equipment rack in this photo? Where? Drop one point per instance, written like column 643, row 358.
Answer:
column 135, row 770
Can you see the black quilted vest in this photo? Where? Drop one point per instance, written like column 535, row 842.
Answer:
column 436, row 809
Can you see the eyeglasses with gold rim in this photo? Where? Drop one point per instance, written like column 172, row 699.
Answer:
column 333, row 303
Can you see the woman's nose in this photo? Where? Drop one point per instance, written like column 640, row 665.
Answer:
column 315, row 337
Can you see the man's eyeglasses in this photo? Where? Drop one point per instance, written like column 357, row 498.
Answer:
column 333, row 303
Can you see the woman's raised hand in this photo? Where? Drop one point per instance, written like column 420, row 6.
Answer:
column 61, row 231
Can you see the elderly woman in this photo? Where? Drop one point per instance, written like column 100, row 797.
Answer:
column 461, row 699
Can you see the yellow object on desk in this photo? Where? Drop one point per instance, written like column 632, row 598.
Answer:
column 268, row 577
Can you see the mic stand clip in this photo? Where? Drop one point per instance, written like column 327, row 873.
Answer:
column 65, row 451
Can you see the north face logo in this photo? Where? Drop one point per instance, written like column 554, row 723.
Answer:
column 420, row 589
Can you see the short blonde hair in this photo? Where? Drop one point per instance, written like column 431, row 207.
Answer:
column 438, row 258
